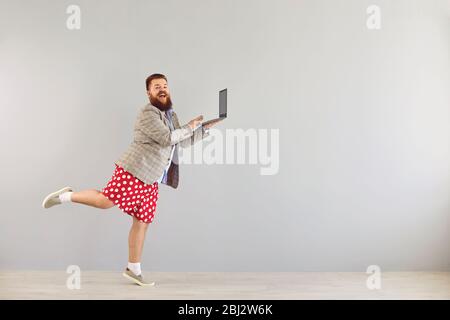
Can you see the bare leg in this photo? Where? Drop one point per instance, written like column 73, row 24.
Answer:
column 93, row 198
column 136, row 240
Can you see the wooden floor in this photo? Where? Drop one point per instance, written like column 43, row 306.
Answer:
column 221, row 285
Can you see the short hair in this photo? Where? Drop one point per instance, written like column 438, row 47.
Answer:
column 149, row 79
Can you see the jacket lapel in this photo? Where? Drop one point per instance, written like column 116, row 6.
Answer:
column 161, row 114
column 176, row 123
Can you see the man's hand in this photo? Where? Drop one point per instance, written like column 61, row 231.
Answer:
column 212, row 123
column 194, row 123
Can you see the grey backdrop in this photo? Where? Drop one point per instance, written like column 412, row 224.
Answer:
column 363, row 118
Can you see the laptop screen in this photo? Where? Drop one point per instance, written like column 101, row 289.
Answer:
column 223, row 103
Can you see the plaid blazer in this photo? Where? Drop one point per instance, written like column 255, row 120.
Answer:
column 149, row 153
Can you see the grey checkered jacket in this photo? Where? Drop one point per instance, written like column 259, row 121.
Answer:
column 149, row 153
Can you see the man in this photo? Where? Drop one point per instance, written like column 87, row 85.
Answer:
column 151, row 159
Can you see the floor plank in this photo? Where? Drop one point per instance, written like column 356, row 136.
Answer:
column 225, row 285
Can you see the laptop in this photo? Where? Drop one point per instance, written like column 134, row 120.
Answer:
column 222, row 107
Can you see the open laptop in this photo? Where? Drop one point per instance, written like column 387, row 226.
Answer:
column 222, row 107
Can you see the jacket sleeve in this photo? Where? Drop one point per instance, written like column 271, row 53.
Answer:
column 153, row 126
column 198, row 134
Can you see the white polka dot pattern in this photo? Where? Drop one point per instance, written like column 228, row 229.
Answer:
column 144, row 196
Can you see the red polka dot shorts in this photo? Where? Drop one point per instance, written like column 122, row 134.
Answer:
column 131, row 195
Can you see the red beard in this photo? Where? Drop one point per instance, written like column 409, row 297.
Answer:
column 159, row 104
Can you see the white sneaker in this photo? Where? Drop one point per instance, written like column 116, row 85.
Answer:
column 53, row 198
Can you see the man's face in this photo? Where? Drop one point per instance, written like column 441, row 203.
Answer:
column 159, row 94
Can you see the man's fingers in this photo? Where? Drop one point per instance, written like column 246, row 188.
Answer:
column 215, row 121
column 209, row 125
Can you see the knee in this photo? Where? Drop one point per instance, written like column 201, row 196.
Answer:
column 104, row 203
column 139, row 225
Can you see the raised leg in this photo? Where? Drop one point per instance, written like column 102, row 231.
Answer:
column 93, row 198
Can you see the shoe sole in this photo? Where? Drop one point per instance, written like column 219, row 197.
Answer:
column 51, row 195
column 137, row 281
